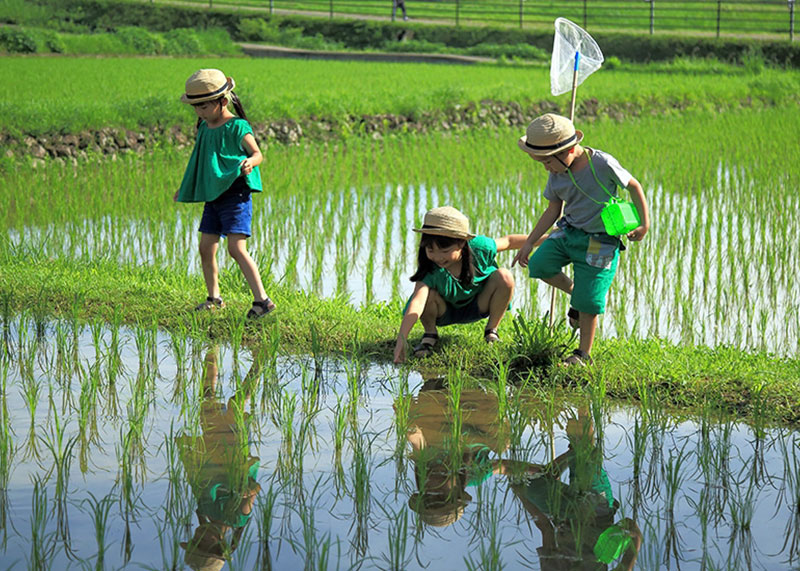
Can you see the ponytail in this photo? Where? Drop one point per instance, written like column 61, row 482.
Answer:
column 237, row 105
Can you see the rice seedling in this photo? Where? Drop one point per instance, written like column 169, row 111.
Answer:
column 397, row 557
column 100, row 510
column 265, row 510
column 360, row 475
column 42, row 544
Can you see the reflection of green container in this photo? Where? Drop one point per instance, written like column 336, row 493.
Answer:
column 620, row 218
column 611, row 544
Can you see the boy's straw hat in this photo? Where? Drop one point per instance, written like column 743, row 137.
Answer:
column 549, row 134
column 446, row 221
column 207, row 84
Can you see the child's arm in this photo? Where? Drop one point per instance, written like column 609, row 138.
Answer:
column 546, row 220
column 515, row 242
column 637, row 195
column 415, row 306
column 254, row 156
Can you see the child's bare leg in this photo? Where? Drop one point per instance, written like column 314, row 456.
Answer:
column 237, row 248
column 208, row 260
column 588, row 326
column 560, row 281
column 496, row 296
column 434, row 308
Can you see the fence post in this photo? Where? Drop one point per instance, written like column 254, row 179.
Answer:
column 585, row 15
column 652, row 15
column 719, row 15
column 270, row 7
column 520, row 13
column 331, row 9
column 791, row 20
column 458, row 8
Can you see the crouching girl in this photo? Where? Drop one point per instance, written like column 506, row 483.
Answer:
column 457, row 280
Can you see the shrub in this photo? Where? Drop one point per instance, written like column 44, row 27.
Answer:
column 17, row 41
column 142, row 41
column 182, row 41
column 54, row 43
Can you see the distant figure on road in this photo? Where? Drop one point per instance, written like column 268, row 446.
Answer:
column 399, row 4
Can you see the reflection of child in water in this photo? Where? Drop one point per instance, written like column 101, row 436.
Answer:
column 222, row 474
column 442, row 494
column 576, row 520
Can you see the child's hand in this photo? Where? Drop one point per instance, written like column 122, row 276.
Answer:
column 637, row 233
column 175, row 196
column 522, row 255
column 246, row 166
column 400, row 352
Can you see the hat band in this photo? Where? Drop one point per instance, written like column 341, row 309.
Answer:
column 219, row 91
column 431, row 227
column 551, row 147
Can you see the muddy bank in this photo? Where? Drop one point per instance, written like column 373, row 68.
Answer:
column 486, row 114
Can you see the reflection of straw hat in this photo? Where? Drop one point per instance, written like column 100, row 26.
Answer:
column 206, row 85
column 200, row 560
column 446, row 221
column 439, row 513
column 549, row 134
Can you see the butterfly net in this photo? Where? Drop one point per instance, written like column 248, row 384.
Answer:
column 571, row 38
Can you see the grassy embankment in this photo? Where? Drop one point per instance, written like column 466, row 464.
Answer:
column 103, row 239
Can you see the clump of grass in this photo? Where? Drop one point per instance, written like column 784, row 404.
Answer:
column 537, row 346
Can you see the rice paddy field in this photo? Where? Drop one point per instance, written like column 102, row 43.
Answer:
column 136, row 434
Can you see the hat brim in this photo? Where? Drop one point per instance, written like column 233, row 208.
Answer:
column 523, row 140
column 193, row 100
column 444, row 232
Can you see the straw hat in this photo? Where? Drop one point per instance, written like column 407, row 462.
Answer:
column 549, row 134
column 446, row 221
column 206, row 85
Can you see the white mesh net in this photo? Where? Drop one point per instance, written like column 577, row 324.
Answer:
column 571, row 38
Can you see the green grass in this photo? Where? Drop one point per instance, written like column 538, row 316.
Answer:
column 132, row 92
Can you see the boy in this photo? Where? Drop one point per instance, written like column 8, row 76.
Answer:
column 580, row 180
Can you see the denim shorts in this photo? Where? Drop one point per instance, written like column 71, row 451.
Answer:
column 465, row 314
column 231, row 213
column 594, row 259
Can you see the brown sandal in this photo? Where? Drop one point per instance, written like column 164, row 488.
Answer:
column 578, row 357
column 261, row 308
column 210, row 303
column 490, row 336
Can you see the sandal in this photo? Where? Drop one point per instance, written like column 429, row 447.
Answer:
column 210, row 303
column 578, row 357
column 261, row 308
column 573, row 317
column 490, row 336
column 426, row 345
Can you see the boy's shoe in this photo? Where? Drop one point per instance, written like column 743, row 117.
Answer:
column 426, row 345
column 578, row 357
column 261, row 308
column 573, row 317
column 210, row 304
column 490, row 336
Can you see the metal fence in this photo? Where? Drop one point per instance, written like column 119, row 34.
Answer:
column 771, row 19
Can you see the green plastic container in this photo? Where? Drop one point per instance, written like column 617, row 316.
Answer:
column 611, row 544
column 620, row 218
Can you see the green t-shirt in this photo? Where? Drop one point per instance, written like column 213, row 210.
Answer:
column 214, row 163
column 484, row 250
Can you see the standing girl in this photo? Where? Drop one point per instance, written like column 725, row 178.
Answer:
column 457, row 280
column 222, row 172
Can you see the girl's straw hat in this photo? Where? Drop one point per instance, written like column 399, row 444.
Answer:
column 207, row 84
column 549, row 134
column 446, row 221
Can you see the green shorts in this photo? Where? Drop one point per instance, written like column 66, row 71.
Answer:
column 594, row 258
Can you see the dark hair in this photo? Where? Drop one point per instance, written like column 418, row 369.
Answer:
column 234, row 100
column 425, row 266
